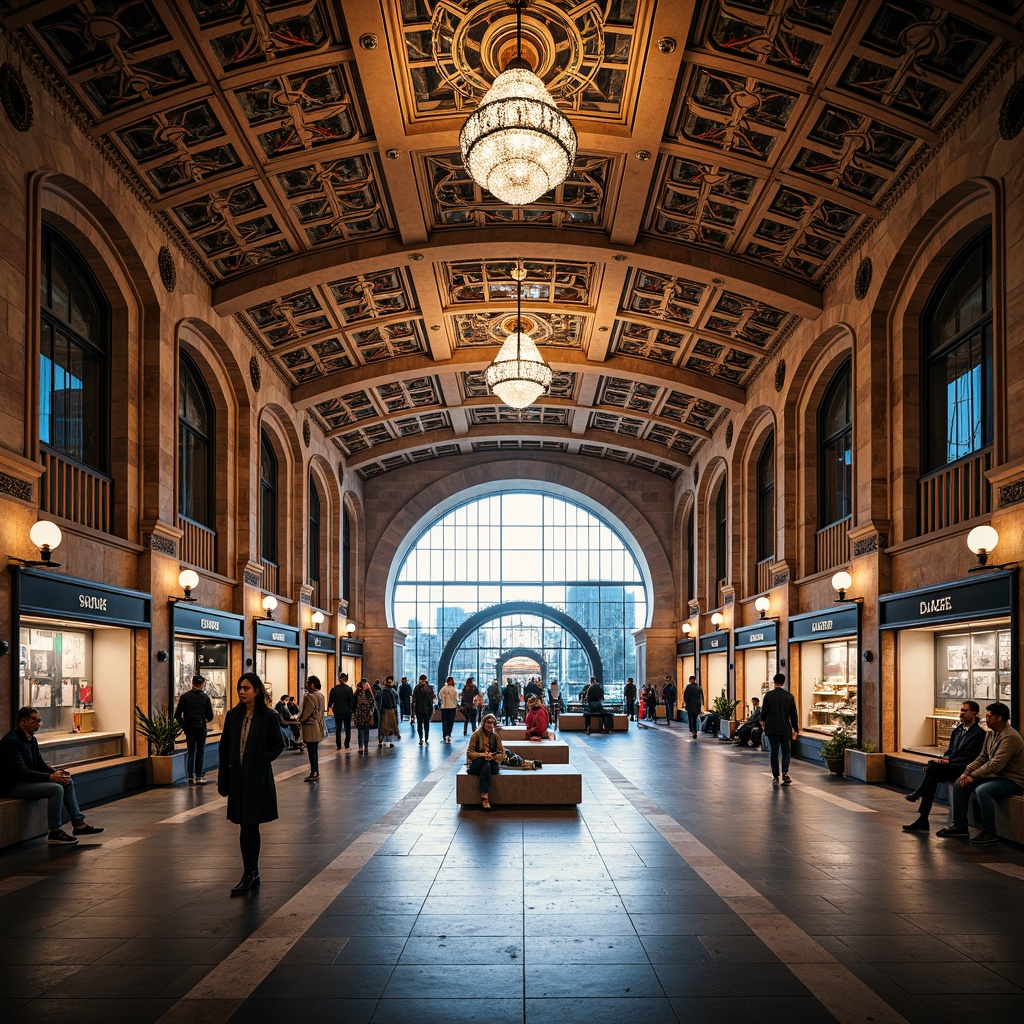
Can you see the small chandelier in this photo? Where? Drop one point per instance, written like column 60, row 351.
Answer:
column 517, row 144
column 518, row 375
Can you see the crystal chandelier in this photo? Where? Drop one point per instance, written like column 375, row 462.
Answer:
column 518, row 375
column 517, row 144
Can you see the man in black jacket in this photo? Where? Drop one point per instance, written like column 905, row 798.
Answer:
column 24, row 774
column 668, row 696
column 340, row 702
column 193, row 712
column 781, row 724
column 964, row 746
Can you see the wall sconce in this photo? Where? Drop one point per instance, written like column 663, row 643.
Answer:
column 317, row 618
column 47, row 537
column 716, row 620
column 982, row 541
column 269, row 604
column 841, row 583
column 188, row 580
column 687, row 630
column 350, row 628
column 762, row 604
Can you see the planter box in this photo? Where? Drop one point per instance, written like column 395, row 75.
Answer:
column 166, row 771
column 864, row 766
column 726, row 727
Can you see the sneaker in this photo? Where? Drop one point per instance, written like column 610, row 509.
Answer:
column 200, row 781
column 60, row 838
column 786, row 780
column 921, row 825
column 953, row 832
column 983, row 838
column 86, row 830
column 775, row 780
column 191, row 780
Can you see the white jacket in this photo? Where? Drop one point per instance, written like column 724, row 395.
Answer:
column 449, row 697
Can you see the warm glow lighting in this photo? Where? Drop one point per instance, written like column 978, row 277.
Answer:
column 517, row 144
column 317, row 618
column 982, row 541
column 350, row 628
column 687, row 629
column 842, row 581
column 269, row 604
column 188, row 579
column 45, row 535
column 762, row 604
column 717, row 619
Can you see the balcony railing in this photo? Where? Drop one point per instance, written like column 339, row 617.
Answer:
column 198, row 544
column 954, row 494
column 72, row 491
column 314, row 598
column 764, row 574
column 270, row 576
column 832, row 545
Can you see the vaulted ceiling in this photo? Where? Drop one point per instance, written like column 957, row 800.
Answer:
column 305, row 153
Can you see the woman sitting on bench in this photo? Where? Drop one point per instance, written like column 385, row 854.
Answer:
column 536, row 720
column 484, row 755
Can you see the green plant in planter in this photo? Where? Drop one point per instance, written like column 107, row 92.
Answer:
column 836, row 744
column 724, row 707
column 160, row 730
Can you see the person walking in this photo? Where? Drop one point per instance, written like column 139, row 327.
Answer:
column 340, row 701
column 423, row 706
column 313, row 725
column 251, row 741
column 388, row 728
column 467, row 702
column 405, row 699
column 363, row 715
column 449, row 698
column 669, row 693
column 494, row 699
column 781, row 725
column 510, row 703
column 193, row 713
column 693, row 701
column 629, row 698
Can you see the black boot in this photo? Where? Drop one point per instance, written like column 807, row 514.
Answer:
column 250, row 880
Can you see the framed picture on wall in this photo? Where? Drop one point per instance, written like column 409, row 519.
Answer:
column 983, row 686
column 954, row 686
column 1004, row 651
column 983, row 651
column 956, row 657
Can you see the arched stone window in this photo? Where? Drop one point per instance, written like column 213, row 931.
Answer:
column 196, row 433
column 691, row 556
column 268, row 501
column 314, row 547
column 835, row 451
column 766, row 500
column 346, row 557
column 721, row 533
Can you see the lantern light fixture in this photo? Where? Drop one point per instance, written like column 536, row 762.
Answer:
column 269, row 603
column 350, row 628
column 687, row 629
column 317, row 618
column 47, row 537
column 762, row 604
column 841, row 583
column 188, row 580
column 982, row 541
column 717, row 619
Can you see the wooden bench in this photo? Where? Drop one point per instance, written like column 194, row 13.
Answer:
column 553, row 785
column 569, row 722
column 545, row 751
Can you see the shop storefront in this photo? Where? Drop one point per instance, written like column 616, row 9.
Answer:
column 686, row 666
column 352, row 660
column 320, row 648
column 954, row 642
column 714, row 665
column 277, row 657
column 207, row 642
column 78, row 650
column 826, row 657
column 757, row 659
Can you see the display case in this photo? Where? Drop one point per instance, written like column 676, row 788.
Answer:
column 972, row 665
column 834, row 692
column 211, row 661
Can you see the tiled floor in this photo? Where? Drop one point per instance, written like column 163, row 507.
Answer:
column 683, row 889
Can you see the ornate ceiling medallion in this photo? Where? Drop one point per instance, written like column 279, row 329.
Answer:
column 517, row 144
column 15, row 99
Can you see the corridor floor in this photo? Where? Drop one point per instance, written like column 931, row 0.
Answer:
column 684, row 888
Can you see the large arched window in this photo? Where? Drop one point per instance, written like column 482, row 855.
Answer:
column 691, row 556
column 835, row 448
column 74, row 348
column 268, row 501
column 721, row 555
column 521, row 546
column 313, row 553
column 346, row 557
column 196, row 431
column 956, row 335
column 766, row 500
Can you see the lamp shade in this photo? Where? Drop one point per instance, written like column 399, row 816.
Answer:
column 842, row 581
column 350, row 628
column 187, row 579
column 45, row 534
column 687, row 629
column 518, row 375
column 317, row 618
column 762, row 604
column 269, row 603
column 717, row 619
column 982, row 539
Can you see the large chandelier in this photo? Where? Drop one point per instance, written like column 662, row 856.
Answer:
column 518, row 375
column 517, row 144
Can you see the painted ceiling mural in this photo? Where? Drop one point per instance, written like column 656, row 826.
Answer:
column 304, row 155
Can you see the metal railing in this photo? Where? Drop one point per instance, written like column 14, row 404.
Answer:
column 764, row 574
column 954, row 494
column 270, row 576
column 198, row 544
column 71, row 491
column 832, row 545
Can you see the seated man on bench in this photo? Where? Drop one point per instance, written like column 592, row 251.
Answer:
column 25, row 775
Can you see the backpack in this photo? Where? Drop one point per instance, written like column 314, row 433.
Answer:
column 712, row 723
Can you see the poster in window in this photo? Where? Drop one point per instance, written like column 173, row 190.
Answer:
column 1004, row 651
column 954, row 686
column 956, row 658
column 983, row 686
column 72, row 659
column 983, row 653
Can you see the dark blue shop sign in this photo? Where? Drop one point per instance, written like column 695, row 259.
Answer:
column 352, row 647
column 958, row 601
column 842, row 620
column 65, row 597
column 322, row 642
column 761, row 634
column 686, row 648
column 714, row 643
column 276, row 634
column 207, row 622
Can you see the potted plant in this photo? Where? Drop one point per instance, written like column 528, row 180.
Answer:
column 833, row 750
column 166, row 765
column 865, row 763
column 724, row 707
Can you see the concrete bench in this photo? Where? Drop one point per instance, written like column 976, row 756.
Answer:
column 546, row 751
column 1009, row 815
column 574, row 723
column 512, row 732
column 555, row 784
column 21, row 820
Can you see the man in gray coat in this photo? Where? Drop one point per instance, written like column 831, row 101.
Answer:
column 781, row 725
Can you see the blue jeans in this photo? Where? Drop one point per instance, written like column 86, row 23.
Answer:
column 485, row 769
column 784, row 741
column 363, row 737
column 983, row 795
column 58, row 798
column 195, row 752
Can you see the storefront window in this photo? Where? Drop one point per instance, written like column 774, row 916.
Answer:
column 972, row 666
column 833, row 691
column 207, row 659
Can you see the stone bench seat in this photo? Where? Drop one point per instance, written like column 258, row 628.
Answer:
column 1009, row 815
column 512, row 732
column 553, row 785
column 570, row 722
column 545, row 751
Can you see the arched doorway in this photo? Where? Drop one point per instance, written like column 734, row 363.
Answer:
column 536, row 657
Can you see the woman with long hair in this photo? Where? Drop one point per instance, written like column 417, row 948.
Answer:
column 363, row 715
column 483, row 756
column 250, row 742
column 313, row 720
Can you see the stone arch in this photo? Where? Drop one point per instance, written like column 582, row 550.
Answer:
column 523, row 652
column 283, row 438
column 684, row 553
column 753, row 434
column 357, row 519
column 567, row 622
column 711, row 476
column 330, row 529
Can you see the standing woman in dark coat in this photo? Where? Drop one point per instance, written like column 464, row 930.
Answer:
column 250, row 742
